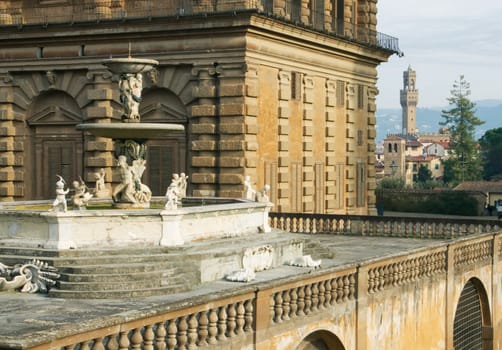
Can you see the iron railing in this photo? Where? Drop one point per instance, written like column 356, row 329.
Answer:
column 108, row 10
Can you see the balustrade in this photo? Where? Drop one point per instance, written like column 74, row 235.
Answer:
column 313, row 297
column 382, row 226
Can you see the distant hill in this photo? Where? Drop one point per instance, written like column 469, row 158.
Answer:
column 389, row 119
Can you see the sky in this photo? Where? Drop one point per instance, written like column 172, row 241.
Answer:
column 441, row 40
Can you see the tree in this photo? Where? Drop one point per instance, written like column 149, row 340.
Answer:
column 424, row 174
column 464, row 162
column 491, row 151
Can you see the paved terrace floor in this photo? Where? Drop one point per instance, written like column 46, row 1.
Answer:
column 30, row 319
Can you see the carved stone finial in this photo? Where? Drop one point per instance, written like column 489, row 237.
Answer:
column 32, row 277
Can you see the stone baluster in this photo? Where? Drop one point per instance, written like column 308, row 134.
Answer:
column 293, row 302
column 371, row 281
column 213, row 327
column 315, row 297
column 346, row 288
column 286, row 307
column 148, row 337
column 192, row 335
column 352, row 286
column 98, row 344
column 248, row 315
column 327, row 293
column 239, row 320
column 308, row 299
column 231, row 322
column 181, row 336
column 301, row 301
column 334, row 293
column 172, row 330
column 123, row 341
column 203, row 328
column 278, row 307
column 136, row 339
column 339, row 289
column 322, row 297
column 160, row 336
column 222, row 324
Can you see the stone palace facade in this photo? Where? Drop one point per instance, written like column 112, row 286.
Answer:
column 281, row 91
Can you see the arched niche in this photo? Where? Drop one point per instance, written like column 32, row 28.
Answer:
column 472, row 322
column 321, row 340
column 168, row 154
column 53, row 146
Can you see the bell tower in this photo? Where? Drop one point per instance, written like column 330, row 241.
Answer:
column 409, row 100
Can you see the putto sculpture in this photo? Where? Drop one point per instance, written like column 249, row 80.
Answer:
column 59, row 203
column 81, row 196
column 176, row 191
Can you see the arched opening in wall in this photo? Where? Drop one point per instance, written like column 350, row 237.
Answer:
column 321, row 340
column 53, row 146
column 472, row 324
column 168, row 154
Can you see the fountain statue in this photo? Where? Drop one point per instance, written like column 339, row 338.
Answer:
column 130, row 135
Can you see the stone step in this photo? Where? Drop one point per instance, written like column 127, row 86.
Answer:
column 117, row 294
column 123, row 268
column 175, row 273
column 62, row 262
column 147, row 283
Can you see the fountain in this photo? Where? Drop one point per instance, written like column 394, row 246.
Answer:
column 130, row 136
column 174, row 247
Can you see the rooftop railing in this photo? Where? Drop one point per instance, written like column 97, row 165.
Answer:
column 108, row 10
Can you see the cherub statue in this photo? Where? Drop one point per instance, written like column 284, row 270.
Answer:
column 249, row 191
column 81, row 196
column 100, row 190
column 173, row 193
column 182, row 184
column 262, row 195
column 60, row 201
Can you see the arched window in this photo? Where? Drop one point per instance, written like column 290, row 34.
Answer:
column 395, row 147
column 390, row 147
column 472, row 316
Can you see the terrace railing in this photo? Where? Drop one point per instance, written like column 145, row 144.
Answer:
column 106, row 10
column 382, row 226
column 246, row 314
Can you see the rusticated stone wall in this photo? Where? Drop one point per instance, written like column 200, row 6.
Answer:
column 257, row 102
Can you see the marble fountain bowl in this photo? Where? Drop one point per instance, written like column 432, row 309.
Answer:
column 130, row 65
column 24, row 224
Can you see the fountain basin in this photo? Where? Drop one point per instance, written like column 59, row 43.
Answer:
column 130, row 131
column 126, row 228
column 130, row 65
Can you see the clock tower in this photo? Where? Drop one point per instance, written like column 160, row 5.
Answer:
column 409, row 100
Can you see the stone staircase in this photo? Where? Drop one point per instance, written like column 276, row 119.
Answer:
column 146, row 271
